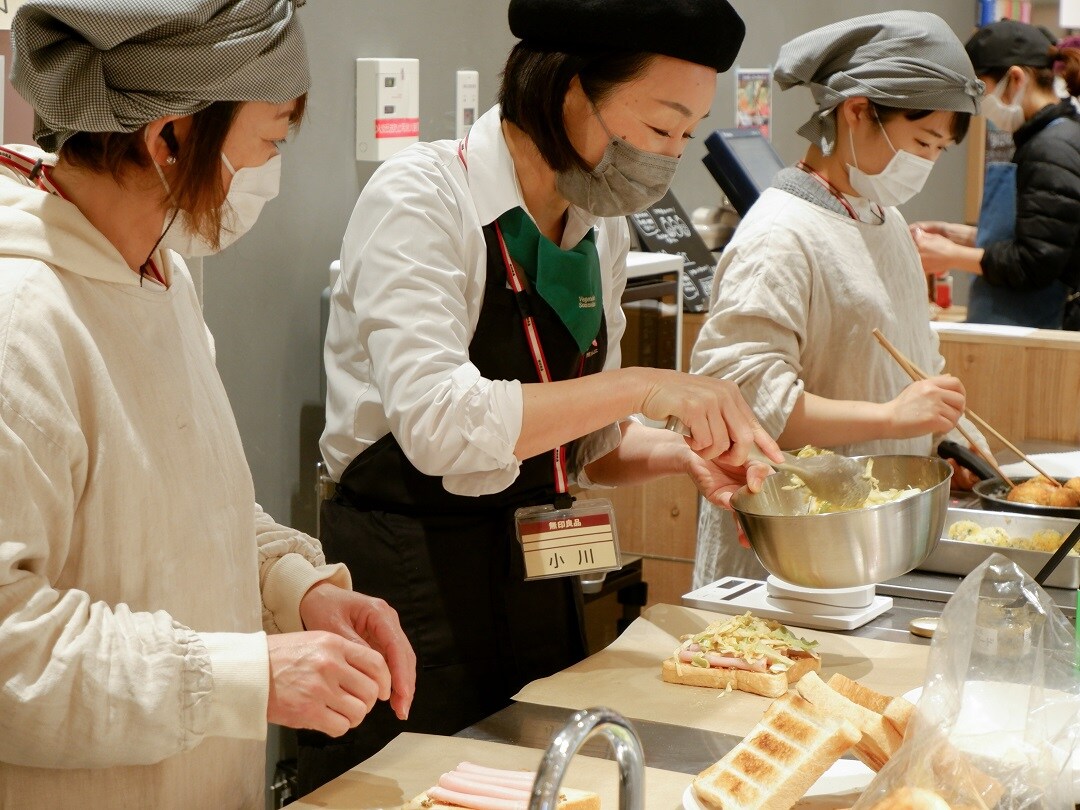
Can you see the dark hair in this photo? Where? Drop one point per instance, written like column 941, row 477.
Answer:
column 1043, row 77
column 196, row 185
column 960, row 120
column 534, row 85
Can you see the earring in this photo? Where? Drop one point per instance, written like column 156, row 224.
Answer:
column 170, row 160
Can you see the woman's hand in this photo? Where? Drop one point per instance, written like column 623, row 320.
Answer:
column 371, row 622
column 322, row 681
column 720, row 423
column 933, row 405
column 958, row 234
column 717, row 481
column 937, row 252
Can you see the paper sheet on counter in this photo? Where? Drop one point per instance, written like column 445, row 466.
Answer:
column 413, row 762
column 1065, row 465
column 626, row 675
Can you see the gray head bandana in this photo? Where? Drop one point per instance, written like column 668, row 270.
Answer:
column 116, row 65
column 906, row 59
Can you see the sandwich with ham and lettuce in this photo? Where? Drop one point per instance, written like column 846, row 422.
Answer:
column 742, row 652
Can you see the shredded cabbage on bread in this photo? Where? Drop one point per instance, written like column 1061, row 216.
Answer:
column 762, row 645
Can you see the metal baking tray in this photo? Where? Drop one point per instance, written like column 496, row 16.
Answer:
column 957, row 557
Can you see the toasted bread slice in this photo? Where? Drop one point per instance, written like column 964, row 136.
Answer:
column 769, row 684
column 879, row 739
column 569, row 799
column 898, row 713
column 896, row 710
column 792, row 745
column 856, row 692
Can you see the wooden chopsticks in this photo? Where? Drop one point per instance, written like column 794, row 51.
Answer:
column 916, row 374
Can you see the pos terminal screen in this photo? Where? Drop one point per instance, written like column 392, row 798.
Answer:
column 743, row 163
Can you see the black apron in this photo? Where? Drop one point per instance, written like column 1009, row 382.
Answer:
column 451, row 565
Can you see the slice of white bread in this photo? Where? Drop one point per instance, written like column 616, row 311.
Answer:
column 769, row 684
column 879, row 739
column 792, row 745
column 896, row 710
column 569, row 799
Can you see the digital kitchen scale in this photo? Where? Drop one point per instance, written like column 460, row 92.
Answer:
column 832, row 609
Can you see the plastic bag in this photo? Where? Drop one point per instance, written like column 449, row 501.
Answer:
column 998, row 719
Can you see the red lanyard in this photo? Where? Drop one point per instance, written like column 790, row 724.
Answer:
column 41, row 176
column 35, row 170
column 840, row 198
column 532, row 335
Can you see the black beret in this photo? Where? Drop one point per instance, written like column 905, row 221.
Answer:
column 1006, row 43
column 707, row 32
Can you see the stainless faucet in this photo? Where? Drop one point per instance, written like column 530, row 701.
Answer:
column 624, row 740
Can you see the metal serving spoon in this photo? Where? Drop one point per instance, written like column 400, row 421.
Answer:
column 840, row 480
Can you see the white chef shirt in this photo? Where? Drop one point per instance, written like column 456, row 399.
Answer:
column 796, row 296
column 406, row 305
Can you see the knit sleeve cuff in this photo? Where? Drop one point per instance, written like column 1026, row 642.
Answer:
column 289, row 579
column 240, row 665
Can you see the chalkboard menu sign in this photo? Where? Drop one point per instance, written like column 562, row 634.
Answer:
column 664, row 227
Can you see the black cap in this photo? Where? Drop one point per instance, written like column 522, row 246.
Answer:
column 707, row 32
column 1006, row 43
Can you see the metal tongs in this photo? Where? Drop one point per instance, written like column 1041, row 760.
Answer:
column 840, row 480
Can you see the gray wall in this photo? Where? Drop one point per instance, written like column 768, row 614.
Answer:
column 262, row 297
column 770, row 23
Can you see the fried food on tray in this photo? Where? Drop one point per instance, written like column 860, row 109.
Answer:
column 1042, row 491
column 1073, row 484
column 1045, row 540
column 1063, row 496
column 1032, row 492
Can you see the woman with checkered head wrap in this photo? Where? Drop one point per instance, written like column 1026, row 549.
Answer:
column 152, row 617
column 824, row 256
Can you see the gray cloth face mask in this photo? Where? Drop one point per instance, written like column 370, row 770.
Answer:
column 625, row 181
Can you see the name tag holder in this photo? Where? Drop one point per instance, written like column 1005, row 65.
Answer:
column 580, row 539
column 559, row 539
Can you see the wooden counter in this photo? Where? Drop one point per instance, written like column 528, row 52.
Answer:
column 1026, row 383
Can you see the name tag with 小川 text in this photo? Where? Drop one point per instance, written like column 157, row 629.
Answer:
column 560, row 542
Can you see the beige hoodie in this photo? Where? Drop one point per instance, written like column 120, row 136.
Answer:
column 137, row 573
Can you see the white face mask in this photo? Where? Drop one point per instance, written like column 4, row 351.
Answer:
column 1006, row 117
column 898, row 182
column 250, row 189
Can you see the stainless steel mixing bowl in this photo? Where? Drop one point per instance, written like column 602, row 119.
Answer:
column 847, row 549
